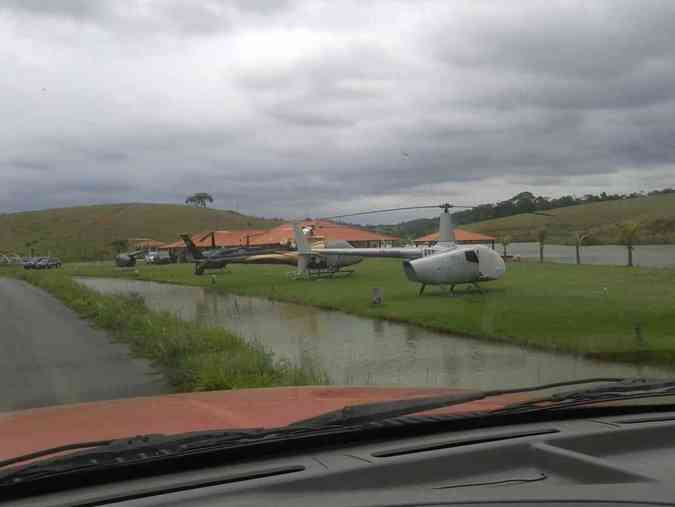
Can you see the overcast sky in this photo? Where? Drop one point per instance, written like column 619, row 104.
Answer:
column 295, row 108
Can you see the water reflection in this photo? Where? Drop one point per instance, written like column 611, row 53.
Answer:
column 358, row 351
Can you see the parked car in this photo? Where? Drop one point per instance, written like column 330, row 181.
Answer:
column 159, row 257
column 48, row 263
column 30, row 262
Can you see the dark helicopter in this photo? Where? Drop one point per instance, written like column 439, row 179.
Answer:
column 282, row 254
column 219, row 258
column 128, row 259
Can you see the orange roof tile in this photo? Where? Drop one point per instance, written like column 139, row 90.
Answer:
column 175, row 244
column 227, row 238
column 324, row 229
column 222, row 238
column 281, row 235
column 180, row 244
column 460, row 235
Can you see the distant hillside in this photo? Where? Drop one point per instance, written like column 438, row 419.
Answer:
column 655, row 213
column 409, row 230
column 86, row 232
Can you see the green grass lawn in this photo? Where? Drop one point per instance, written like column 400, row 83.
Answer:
column 590, row 310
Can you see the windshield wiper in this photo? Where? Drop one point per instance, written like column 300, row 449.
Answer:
column 626, row 390
column 54, row 450
column 137, row 450
column 612, row 388
column 125, row 451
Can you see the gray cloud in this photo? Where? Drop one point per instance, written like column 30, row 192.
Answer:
column 595, row 41
column 77, row 9
column 309, row 118
column 25, row 165
column 262, row 6
column 132, row 16
column 290, row 108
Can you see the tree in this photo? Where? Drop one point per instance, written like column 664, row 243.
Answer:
column 580, row 238
column 541, row 237
column 199, row 199
column 120, row 245
column 30, row 246
column 505, row 241
column 629, row 232
column 524, row 202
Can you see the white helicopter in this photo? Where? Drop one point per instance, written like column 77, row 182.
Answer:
column 445, row 263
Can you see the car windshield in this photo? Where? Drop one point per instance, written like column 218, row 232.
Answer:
column 242, row 214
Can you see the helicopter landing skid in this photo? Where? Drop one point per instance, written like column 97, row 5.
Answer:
column 314, row 274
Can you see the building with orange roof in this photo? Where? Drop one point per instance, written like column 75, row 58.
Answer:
column 327, row 231
column 178, row 244
column 461, row 236
column 215, row 239
column 282, row 235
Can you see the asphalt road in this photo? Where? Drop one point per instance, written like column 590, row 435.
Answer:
column 49, row 356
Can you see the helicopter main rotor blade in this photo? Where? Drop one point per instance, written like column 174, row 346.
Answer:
column 372, row 212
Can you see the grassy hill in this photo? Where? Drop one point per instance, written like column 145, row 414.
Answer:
column 656, row 214
column 85, row 232
column 409, row 230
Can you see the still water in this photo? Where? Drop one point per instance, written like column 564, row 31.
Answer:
column 359, row 351
column 643, row 255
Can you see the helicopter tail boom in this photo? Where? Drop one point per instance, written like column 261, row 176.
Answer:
column 191, row 247
column 301, row 242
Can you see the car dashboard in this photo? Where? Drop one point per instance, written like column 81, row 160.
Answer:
column 627, row 459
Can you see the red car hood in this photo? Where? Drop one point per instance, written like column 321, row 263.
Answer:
column 28, row 431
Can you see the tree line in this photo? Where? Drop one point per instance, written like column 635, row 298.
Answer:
column 524, row 202
column 527, row 202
